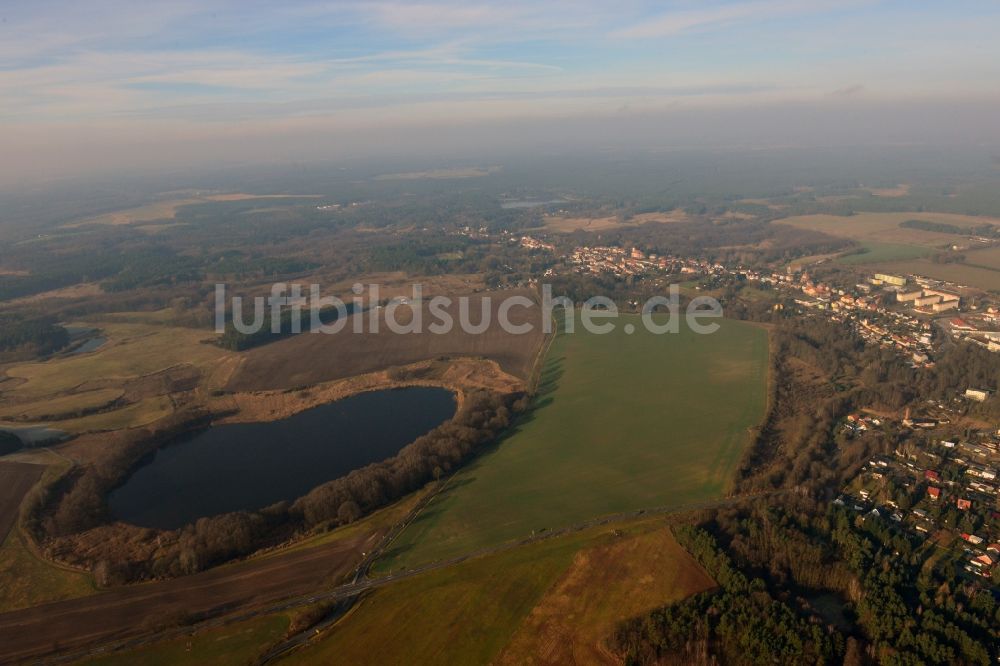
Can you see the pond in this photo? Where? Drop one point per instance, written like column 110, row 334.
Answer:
column 246, row 466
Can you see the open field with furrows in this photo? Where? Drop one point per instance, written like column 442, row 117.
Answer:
column 234, row 644
column 118, row 612
column 311, row 358
column 567, row 224
column 167, row 209
column 885, row 227
column 551, row 602
column 622, row 422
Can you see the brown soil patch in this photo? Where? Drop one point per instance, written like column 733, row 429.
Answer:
column 602, row 587
column 312, row 358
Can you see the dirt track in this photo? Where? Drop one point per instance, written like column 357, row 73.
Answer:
column 16, row 479
column 311, row 358
column 37, row 631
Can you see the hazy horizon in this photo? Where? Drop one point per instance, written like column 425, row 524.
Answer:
column 110, row 87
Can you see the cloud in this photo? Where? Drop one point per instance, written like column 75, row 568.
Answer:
column 678, row 22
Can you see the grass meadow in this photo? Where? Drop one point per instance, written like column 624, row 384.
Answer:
column 621, row 422
column 560, row 598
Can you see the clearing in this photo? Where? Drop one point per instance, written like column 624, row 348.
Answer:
column 621, row 422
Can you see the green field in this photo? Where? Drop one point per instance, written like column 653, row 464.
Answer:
column 621, row 422
column 875, row 252
column 235, row 644
column 509, row 607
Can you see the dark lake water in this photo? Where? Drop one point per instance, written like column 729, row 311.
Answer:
column 245, row 466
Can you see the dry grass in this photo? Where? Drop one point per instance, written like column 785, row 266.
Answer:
column 884, row 227
column 604, row 586
column 988, row 258
column 167, row 210
column 960, row 274
column 890, row 192
column 132, row 350
column 565, row 224
column 82, row 290
column 135, row 415
column 441, row 174
column 59, row 407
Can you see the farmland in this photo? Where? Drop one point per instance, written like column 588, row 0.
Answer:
column 167, row 208
column 505, row 607
column 885, row 227
column 874, row 252
column 568, row 224
column 961, row 274
column 307, row 359
column 622, row 422
column 236, row 644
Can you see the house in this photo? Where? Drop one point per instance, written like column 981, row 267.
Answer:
column 972, row 538
column 983, row 561
column 963, row 504
column 932, row 475
column 979, row 395
column 960, row 324
column 934, row 493
column 993, row 548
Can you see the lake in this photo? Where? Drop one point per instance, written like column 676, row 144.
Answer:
column 246, row 466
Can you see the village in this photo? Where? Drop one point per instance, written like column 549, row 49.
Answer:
column 906, row 314
column 939, row 489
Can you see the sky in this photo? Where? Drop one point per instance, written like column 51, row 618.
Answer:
column 110, row 84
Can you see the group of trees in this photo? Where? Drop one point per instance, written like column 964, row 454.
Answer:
column 31, row 336
column 886, row 600
column 740, row 623
column 74, row 524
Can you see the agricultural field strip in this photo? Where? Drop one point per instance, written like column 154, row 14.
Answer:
column 16, row 479
column 352, row 589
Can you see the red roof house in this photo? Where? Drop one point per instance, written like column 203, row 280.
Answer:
column 935, row 493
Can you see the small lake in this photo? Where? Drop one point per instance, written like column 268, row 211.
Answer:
column 90, row 345
column 246, row 466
